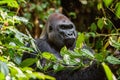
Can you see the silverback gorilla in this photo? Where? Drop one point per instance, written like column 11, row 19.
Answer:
column 59, row 31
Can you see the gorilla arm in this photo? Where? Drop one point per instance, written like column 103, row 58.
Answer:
column 93, row 72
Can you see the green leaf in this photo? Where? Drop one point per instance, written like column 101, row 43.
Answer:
column 28, row 62
column 100, row 23
column 13, row 71
column 99, row 6
column 100, row 57
column 108, row 72
column 48, row 56
column 2, row 76
column 22, row 19
column 92, row 34
column 16, row 71
column 93, row 27
column 80, row 40
column 113, row 60
column 109, row 24
column 66, row 58
column 107, row 2
column 117, row 12
column 41, row 76
column 10, row 3
column 114, row 43
column 11, row 53
column 58, row 67
column 87, row 53
column 73, row 14
column 4, row 68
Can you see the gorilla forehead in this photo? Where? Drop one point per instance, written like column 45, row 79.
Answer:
column 57, row 18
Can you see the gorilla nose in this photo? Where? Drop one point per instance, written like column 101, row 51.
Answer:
column 70, row 35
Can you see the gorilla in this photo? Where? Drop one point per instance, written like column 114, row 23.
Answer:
column 59, row 31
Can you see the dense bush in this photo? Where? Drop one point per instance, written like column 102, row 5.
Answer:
column 13, row 42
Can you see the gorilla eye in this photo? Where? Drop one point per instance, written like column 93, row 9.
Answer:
column 66, row 26
column 70, row 26
column 50, row 28
column 62, row 26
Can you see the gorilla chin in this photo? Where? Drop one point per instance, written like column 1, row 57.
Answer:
column 69, row 42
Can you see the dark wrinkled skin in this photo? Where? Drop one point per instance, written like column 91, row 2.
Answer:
column 58, row 32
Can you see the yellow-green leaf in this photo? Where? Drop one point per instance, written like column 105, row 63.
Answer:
column 108, row 72
column 107, row 2
column 100, row 23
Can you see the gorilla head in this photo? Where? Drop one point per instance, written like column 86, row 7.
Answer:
column 60, row 31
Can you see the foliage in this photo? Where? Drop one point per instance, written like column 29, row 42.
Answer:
column 13, row 42
column 12, row 45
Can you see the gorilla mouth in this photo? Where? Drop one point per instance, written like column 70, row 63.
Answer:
column 69, row 42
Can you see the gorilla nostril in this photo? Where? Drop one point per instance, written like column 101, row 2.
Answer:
column 70, row 34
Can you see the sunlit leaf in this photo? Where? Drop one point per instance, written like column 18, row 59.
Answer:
column 99, row 6
column 49, row 77
column 17, row 59
column 58, row 67
column 113, row 60
column 4, row 68
column 48, row 56
column 22, row 19
column 41, row 76
column 66, row 58
column 108, row 72
column 2, row 76
column 87, row 53
column 18, row 72
column 80, row 40
column 107, row 2
column 117, row 12
column 10, row 3
column 114, row 43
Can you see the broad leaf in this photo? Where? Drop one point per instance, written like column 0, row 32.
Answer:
column 87, row 53
column 100, row 23
column 48, row 56
column 107, row 2
column 113, row 60
column 117, row 12
column 80, row 40
column 28, row 62
column 4, row 68
column 114, row 43
column 93, row 27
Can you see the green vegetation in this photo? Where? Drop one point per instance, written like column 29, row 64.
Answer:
column 13, row 42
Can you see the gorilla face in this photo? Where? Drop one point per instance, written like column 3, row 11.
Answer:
column 68, row 33
column 61, row 31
